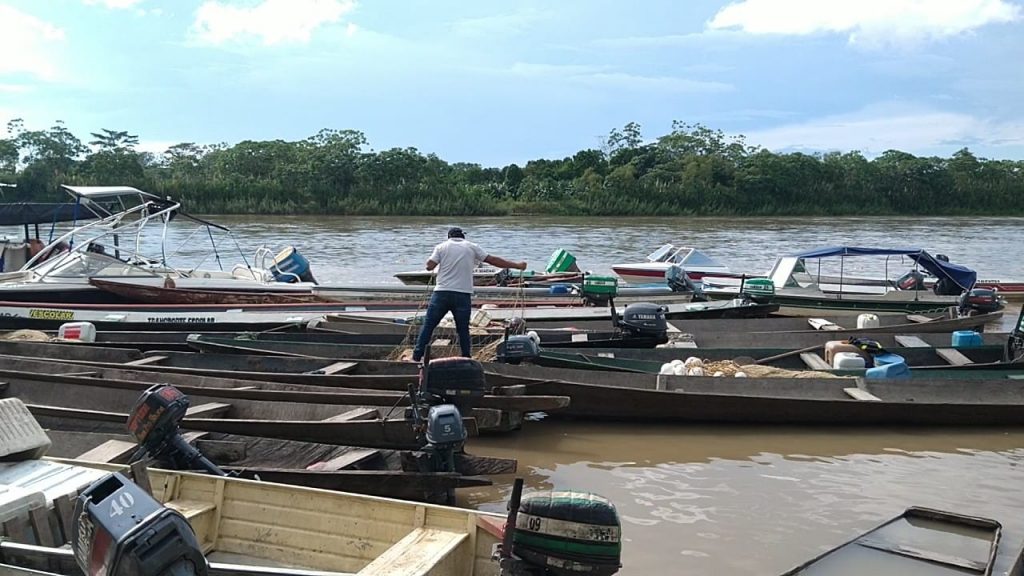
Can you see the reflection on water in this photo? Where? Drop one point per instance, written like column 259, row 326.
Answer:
column 757, row 500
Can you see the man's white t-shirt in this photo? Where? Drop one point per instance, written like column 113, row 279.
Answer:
column 456, row 258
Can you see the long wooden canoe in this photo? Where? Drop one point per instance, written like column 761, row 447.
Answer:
column 234, row 388
column 919, row 541
column 254, row 523
column 811, row 401
column 361, row 470
column 102, row 408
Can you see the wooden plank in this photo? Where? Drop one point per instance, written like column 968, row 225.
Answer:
column 919, row 319
column 113, row 451
column 823, row 324
column 910, row 341
column 208, row 410
column 814, row 362
column 859, row 394
column 65, row 507
column 146, row 360
column 140, row 475
column 222, row 450
column 337, row 368
column 979, row 566
column 18, row 529
column 953, row 356
column 415, row 555
column 355, row 414
column 346, row 460
column 191, row 437
column 39, row 518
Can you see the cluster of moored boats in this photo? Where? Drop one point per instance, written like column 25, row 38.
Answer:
column 294, row 406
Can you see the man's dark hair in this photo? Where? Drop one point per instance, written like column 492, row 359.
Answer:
column 456, row 232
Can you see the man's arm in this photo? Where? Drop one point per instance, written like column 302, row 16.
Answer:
column 502, row 263
column 431, row 265
column 435, row 257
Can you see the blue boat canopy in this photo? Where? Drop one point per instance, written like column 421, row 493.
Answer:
column 961, row 275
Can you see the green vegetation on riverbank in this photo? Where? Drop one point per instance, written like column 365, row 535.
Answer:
column 692, row 170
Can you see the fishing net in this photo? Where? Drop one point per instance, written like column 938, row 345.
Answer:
column 730, row 368
column 26, row 336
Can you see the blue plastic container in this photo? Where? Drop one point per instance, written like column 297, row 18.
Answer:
column 887, row 358
column 290, row 266
column 894, row 370
column 966, row 339
column 559, row 289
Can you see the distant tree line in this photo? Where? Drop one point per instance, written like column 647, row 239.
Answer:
column 693, row 170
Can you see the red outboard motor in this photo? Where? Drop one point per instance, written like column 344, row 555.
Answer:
column 153, row 422
column 979, row 301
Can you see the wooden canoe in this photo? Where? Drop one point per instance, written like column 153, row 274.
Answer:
column 793, row 401
column 983, row 357
column 104, row 409
column 268, row 525
column 919, row 541
column 234, row 388
column 348, row 469
column 141, row 293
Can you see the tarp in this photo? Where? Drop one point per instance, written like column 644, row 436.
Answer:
column 20, row 213
column 961, row 275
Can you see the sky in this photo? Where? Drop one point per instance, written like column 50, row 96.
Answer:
column 495, row 82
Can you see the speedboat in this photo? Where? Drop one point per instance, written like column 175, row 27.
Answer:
column 696, row 264
column 108, row 247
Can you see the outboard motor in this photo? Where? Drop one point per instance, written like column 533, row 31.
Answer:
column 290, row 266
column 1014, row 351
column 644, row 320
column 912, row 280
column 679, row 281
column 445, row 385
column 515, row 349
column 979, row 301
column 153, row 422
column 564, row 533
column 947, row 287
column 123, row 531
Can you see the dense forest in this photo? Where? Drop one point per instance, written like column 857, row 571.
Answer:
column 693, row 170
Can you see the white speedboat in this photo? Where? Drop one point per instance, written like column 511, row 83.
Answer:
column 696, row 264
column 109, row 245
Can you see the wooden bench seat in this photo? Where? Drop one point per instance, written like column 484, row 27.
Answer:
column 417, row 554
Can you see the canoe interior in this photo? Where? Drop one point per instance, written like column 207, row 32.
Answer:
column 920, row 542
column 307, row 528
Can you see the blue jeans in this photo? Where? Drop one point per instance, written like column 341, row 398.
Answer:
column 442, row 302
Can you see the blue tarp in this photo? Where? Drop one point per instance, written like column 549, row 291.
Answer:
column 961, row 275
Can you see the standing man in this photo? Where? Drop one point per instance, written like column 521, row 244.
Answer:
column 455, row 260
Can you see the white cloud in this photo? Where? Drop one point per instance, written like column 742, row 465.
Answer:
column 114, row 4
column 497, row 24
column 864, row 21
column 26, row 44
column 270, row 21
column 653, row 83
column 888, row 127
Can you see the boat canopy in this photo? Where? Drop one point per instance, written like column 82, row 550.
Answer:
column 106, row 192
column 25, row 213
column 961, row 275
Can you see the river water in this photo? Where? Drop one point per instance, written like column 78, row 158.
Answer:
column 708, row 500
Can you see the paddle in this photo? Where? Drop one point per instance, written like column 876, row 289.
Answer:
column 787, row 354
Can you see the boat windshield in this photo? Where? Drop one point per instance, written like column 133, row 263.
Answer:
column 662, row 254
column 88, row 265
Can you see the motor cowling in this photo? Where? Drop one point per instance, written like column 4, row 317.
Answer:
column 456, row 380
column 912, row 280
column 444, row 426
column 122, row 531
column 154, row 421
column 679, row 281
column 516, row 349
column 979, row 301
column 569, row 533
column 644, row 319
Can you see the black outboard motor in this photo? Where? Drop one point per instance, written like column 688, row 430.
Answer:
column 912, row 280
column 123, row 531
column 1014, row 351
column 456, row 380
column 979, row 301
column 679, row 281
column 445, row 385
column 947, row 287
column 644, row 320
column 515, row 349
column 153, row 422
